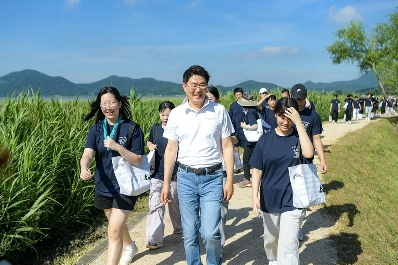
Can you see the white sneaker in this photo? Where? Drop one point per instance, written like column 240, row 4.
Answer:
column 273, row 262
column 128, row 254
column 300, row 235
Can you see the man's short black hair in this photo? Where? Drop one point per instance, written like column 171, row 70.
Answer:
column 195, row 70
column 285, row 90
column 238, row 89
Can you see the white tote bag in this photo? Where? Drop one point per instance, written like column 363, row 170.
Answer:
column 253, row 136
column 151, row 161
column 132, row 180
column 306, row 186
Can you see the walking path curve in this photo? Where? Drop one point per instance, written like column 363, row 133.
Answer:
column 244, row 231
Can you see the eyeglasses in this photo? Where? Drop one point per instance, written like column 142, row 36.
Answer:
column 195, row 86
column 110, row 104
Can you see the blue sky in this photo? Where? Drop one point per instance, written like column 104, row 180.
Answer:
column 281, row 42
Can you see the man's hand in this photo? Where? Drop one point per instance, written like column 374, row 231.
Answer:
column 165, row 196
column 228, row 191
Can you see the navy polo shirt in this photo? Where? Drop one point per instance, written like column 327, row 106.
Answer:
column 273, row 154
column 356, row 104
column 368, row 102
column 104, row 176
column 335, row 104
column 161, row 143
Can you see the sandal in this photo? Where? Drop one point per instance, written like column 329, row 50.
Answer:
column 154, row 245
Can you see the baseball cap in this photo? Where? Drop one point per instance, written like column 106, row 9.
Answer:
column 262, row 90
column 298, row 91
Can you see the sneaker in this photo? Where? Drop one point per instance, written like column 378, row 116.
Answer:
column 273, row 262
column 245, row 183
column 154, row 245
column 300, row 235
column 128, row 254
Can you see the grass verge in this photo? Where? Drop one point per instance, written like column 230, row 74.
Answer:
column 362, row 183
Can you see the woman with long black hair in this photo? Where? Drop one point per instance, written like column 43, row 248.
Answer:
column 108, row 138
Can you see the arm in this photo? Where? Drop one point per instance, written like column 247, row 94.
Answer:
column 338, row 107
column 251, row 118
column 256, row 177
column 129, row 156
column 170, row 156
column 319, row 149
column 248, row 126
column 228, row 153
column 85, row 163
column 331, row 105
column 260, row 102
column 151, row 146
column 306, row 146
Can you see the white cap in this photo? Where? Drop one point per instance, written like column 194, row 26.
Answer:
column 262, row 90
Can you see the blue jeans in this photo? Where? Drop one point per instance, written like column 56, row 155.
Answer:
column 202, row 193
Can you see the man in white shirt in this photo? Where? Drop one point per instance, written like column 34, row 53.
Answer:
column 199, row 130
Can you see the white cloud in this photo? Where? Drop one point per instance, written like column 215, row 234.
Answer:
column 344, row 15
column 70, row 4
column 272, row 51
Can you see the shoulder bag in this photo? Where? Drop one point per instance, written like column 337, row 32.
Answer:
column 306, row 185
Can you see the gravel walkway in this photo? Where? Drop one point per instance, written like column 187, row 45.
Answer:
column 244, row 244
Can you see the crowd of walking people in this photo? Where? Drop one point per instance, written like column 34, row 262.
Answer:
column 194, row 145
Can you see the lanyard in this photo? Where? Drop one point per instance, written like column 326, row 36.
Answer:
column 113, row 132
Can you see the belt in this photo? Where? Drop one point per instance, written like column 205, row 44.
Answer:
column 200, row 171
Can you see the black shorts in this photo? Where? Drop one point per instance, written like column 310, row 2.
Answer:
column 122, row 202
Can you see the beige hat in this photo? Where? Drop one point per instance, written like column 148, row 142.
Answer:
column 247, row 101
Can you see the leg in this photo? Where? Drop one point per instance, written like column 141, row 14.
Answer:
column 211, row 191
column 247, row 153
column 174, row 209
column 117, row 234
column 188, row 199
column 271, row 234
column 155, row 217
column 288, row 245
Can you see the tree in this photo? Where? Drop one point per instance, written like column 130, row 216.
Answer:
column 376, row 50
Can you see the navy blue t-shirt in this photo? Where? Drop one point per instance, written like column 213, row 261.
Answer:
column 335, row 104
column 251, row 118
column 161, row 143
column 368, row 102
column 356, row 104
column 236, row 115
column 269, row 117
column 273, row 154
column 349, row 102
column 104, row 177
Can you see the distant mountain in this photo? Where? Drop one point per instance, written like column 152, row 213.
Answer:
column 362, row 84
column 16, row 82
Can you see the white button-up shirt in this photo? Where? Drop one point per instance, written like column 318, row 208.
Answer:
column 199, row 133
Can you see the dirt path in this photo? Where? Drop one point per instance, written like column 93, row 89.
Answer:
column 244, row 244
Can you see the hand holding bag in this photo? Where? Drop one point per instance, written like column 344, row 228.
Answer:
column 306, row 185
column 132, row 180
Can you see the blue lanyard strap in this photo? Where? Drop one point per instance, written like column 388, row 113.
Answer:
column 113, row 132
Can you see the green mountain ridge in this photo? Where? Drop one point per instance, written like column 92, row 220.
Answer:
column 19, row 81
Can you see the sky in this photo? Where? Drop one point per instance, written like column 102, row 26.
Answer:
column 281, row 42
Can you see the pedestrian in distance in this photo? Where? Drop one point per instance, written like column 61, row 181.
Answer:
column 108, row 138
column 285, row 93
column 349, row 103
column 236, row 115
column 214, row 95
column 368, row 106
column 249, row 122
column 155, row 218
column 274, row 153
column 263, row 102
column 335, row 108
column 357, row 108
column 199, row 131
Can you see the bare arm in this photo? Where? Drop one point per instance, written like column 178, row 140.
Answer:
column 228, row 153
column 170, row 156
column 260, row 102
column 319, row 149
column 85, row 163
column 130, row 157
column 248, row 126
column 256, row 177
